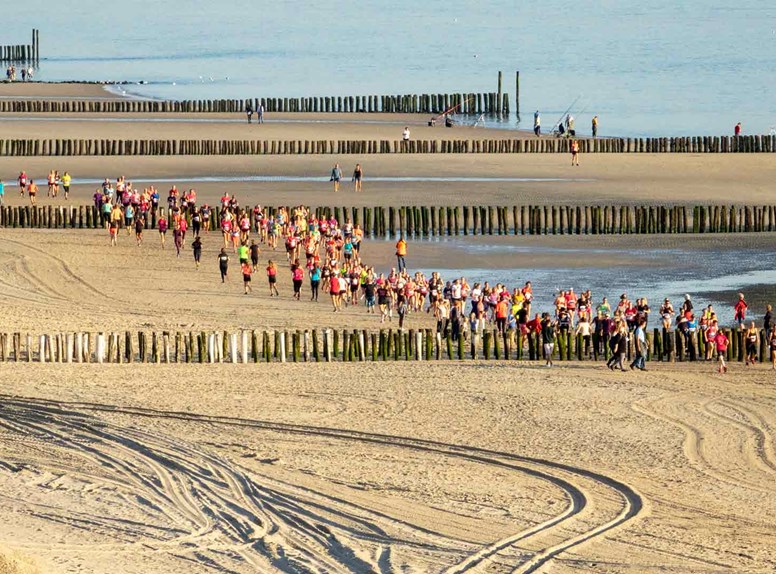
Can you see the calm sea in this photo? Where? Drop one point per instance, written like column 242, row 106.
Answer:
column 645, row 68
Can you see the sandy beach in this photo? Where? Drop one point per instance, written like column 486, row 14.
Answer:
column 388, row 468
column 441, row 467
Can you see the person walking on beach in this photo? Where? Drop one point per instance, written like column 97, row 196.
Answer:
column 336, row 176
column 358, row 175
column 737, row 129
column 595, row 126
column 405, row 138
column 537, row 124
column 401, row 253
column 575, row 153
column 196, row 247
column 260, row 113
column 249, row 111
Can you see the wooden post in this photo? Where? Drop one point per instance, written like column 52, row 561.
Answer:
column 499, row 97
column 517, row 93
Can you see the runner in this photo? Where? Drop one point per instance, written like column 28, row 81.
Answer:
column 254, row 249
column 22, row 182
column 114, row 232
column 223, row 264
column 139, row 227
column 272, row 278
column 401, row 253
column 315, row 281
column 66, row 180
column 722, row 342
column 162, row 227
column 575, row 153
column 772, row 346
column 297, row 276
column 196, row 247
column 32, row 191
column 246, row 273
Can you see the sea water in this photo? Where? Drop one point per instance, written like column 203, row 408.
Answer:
column 661, row 67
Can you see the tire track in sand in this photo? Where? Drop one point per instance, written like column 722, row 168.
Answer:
column 561, row 475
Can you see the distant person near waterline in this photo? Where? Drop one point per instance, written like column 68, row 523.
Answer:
column 358, row 175
column 405, row 138
column 249, row 111
column 537, row 124
column 737, row 129
column 401, row 253
column 595, row 126
column 260, row 113
column 336, row 176
column 575, row 153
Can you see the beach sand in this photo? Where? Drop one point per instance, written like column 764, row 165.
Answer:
column 378, row 468
column 375, row 467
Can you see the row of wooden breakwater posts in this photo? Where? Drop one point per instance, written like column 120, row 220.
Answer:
column 175, row 147
column 471, row 103
column 328, row 345
column 22, row 53
column 447, row 221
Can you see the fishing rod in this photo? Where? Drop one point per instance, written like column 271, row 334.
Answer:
column 564, row 114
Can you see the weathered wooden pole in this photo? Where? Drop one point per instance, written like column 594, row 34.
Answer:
column 500, row 91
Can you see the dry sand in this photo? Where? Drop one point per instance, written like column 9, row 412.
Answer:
column 380, row 468
column 641, row 179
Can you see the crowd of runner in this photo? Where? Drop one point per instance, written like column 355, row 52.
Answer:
column 326, row 253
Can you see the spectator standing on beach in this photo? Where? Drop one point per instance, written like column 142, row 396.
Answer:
column 737, row 129
column 358, row 175
column 2, row 193
column 595, row 126
column 548, row 338
column 575, row 153
column 537, row 124
column 405, row 135
column 768, row 322
column 336, row 176
column 260, row 113
column 249, row 111
column 740, row 311
column 401, row 253
column 640, row 341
